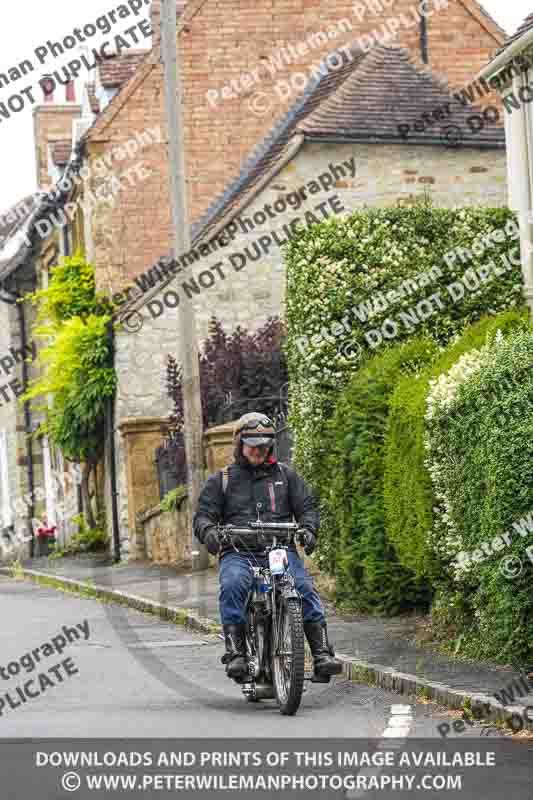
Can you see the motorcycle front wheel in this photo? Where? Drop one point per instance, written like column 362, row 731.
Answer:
column 288, row 656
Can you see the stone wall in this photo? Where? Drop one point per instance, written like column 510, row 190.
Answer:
column 167, row 535
column 218, row 443
column 10, row 493
column 137, row 479
column 12, row 420
column 247, row 295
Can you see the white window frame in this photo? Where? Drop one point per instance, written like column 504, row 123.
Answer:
column 49, row 486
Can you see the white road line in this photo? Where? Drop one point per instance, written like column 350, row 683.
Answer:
column 398, row 728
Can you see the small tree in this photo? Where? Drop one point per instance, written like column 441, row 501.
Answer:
column 77, row 368
column 237, row 366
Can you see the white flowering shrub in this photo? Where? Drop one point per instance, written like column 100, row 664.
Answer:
column 339, row 275
column 479, row 436
column 417, row 509
column 443, row 390
column 441, row 396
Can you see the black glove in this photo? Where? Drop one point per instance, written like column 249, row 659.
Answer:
column 308, row 540
column 211, row 541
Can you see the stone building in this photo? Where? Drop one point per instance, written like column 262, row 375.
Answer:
column 268, row 109
column 34, row 478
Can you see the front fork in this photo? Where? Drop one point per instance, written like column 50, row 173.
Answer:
column 283, row 589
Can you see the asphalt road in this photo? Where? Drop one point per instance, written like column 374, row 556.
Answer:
column 136, row 676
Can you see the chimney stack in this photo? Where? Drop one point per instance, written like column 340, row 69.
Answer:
column 52, row 123
column 48, row 84
column 70, row 94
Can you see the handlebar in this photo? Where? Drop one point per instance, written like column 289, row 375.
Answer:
column 270, row 526
column 279, row 530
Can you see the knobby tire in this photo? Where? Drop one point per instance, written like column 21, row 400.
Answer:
column 289, row 687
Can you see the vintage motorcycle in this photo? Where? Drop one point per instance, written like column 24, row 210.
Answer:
column 274, row 624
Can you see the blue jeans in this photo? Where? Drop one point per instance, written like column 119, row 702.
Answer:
column 236, row 581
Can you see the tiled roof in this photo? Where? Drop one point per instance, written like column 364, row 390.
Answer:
column 365, row 101
column 93, row 100
column 524, row 27
column 271, row 151
column 12, row 224
column 10, row 219
column 387, row 90
column 116, row 71
column 61, row 151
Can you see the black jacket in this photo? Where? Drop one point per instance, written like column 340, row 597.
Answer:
column 283, row 495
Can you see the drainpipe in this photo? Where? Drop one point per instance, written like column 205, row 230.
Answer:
column 424, row 39
column 520, row 170
column 110, row 427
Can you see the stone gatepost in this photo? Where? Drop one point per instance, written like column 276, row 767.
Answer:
column 218, row 444
column 141, row 436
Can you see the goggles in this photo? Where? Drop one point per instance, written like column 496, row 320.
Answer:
column 263, row 422
column 258, row 441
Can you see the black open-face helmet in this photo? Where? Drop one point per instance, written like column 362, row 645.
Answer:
column 255, row 430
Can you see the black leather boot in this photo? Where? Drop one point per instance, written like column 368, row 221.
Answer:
column 325, row 663
column 235, row 656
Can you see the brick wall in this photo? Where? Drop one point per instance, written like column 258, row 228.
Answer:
column 225, row 40
column 132, row 233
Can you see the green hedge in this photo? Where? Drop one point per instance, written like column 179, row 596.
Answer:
column 353, row 542
column 334, row 268
column 340, row 275
column 482, row 446
column 408, row 491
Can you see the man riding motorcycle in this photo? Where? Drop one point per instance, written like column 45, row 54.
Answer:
column 256, row 481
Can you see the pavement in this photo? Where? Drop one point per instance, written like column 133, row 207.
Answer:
column 381, row 652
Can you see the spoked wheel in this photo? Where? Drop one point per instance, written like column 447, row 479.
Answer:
column 288, row 657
